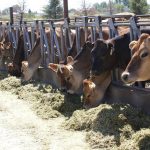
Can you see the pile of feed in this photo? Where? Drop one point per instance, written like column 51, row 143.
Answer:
column 119, row 127
column 113, row 127
column 47, row 102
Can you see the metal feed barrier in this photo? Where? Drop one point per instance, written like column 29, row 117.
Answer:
column 53, row 50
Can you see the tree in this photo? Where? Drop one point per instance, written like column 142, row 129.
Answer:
column 139, row 6
column 100, row 7
column 84, row 8
column 53, row 10
column 22, row 4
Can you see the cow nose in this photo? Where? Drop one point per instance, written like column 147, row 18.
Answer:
column 63, row 89
column 125, row 76
column 94, row 72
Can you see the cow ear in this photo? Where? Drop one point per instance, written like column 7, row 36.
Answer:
column 132, row 44
column 70, row 60
column 8, row 45
column 24, row 64
column 54, row 67
column 89, row 44
column 85, row 83
column 10, row 65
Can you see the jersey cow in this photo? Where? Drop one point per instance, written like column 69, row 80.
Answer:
column 110, row 54
column 35, row 58
column 6, row 52
column 138, row 67
column 96, row 94
column 106, row 55
column 72, row 74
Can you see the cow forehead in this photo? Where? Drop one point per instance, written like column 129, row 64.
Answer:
column 142, row 42
column 142, row 47
column 92, row 85
column 69, row 67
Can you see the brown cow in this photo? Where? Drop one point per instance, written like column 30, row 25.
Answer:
column 14, row 68
column 138, row 67
column 6, row 54
column 76, row 69
column 112, row 92
column 35, row 58
column 94, row 89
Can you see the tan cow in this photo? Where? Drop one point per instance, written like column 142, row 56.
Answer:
column 114, row 93
column 72, row 74
column 138, row 68
column 77, row 69
column 94, row 89
column 35, row 58
column 6, row 54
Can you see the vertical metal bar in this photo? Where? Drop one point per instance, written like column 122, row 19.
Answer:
column 57, row 45
column 78, row 39
column 67, row 32
column 41, row 42
column 92, row 34
column 52, row 53
column 24, row 39
column 62, row 43
column 85, row 23
column 98, row 21
column 32, row 36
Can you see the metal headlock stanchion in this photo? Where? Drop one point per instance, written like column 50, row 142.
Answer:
column 67, row 34
column 45, row 51
column 54, row 43
column 27, row 42
column 113, row 32
column 12, row 37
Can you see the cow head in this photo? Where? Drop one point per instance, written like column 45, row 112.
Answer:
column 137, row 69
column 103, row 56
column 66, row 74
column 90, row 94
column 94, row 89
column 10, row 68
column 6, row 49
column 14, row 70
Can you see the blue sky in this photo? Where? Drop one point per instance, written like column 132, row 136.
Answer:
column 37, row 5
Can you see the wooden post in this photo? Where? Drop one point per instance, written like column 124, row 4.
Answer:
column 11, row 15
column 65, row 2
column 110, row 7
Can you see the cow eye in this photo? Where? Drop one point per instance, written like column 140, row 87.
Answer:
column 144, row 54
column 88, row 96
column 68, row 78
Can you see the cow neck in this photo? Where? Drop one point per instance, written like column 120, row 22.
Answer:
column 35, row 54
column 121, row 41
column 103, row 78
column 121, row 50
column 102, row 83
column 20, row 52
column 83, row 60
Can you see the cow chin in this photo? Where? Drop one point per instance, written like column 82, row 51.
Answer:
column 91, row 105
column 70, row 92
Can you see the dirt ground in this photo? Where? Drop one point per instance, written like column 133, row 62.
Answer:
column 22, row 129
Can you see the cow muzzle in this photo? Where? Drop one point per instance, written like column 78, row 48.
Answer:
column 126, row 77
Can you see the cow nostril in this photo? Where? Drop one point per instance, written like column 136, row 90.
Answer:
column 125, row 77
